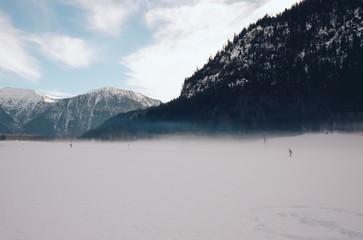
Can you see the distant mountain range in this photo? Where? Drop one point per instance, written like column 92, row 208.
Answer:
column 301, row 70
column 27, row 111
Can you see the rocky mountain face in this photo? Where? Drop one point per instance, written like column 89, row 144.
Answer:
column 300, row 70
column 26, row 111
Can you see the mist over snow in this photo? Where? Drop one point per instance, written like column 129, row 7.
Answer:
column 184, row 188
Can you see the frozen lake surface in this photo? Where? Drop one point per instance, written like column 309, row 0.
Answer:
column 184, row 189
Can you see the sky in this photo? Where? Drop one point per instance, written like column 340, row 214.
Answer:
column 64, row 48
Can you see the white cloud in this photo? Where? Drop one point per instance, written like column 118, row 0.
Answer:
column 13, row 55
column 74, row 52
column 185, row 36
column 107, row 16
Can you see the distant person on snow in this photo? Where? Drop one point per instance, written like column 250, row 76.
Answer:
column 290, row 152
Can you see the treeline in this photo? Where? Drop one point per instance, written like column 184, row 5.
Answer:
column 23, row 137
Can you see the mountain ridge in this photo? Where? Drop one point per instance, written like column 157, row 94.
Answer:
column 297, row 35
column 27, row 111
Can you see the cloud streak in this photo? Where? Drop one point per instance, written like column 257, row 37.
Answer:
column 74, row 52
column 107, row 16
column 14, row 58
column 185, row 36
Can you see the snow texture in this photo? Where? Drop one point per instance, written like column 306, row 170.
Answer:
column 184, row 188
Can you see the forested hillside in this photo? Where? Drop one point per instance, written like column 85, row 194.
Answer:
column 300, row 70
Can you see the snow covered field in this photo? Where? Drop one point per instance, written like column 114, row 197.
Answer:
column 184, row 189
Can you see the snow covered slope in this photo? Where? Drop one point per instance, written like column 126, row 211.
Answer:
column 312, row 38
column 74, row 116
column 38, row 114
column 23, row 104
column 184, row 188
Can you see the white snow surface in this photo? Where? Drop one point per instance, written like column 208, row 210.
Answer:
column 184, row 188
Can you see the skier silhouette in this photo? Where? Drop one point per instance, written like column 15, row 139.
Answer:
column 290, row 152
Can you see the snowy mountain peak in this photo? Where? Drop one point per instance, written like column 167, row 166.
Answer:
column 23, row 104
column 109, row 91
column 22, row 96
column 36, row 113
column 17, row 93
column 19, row 100
column 121, row 93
